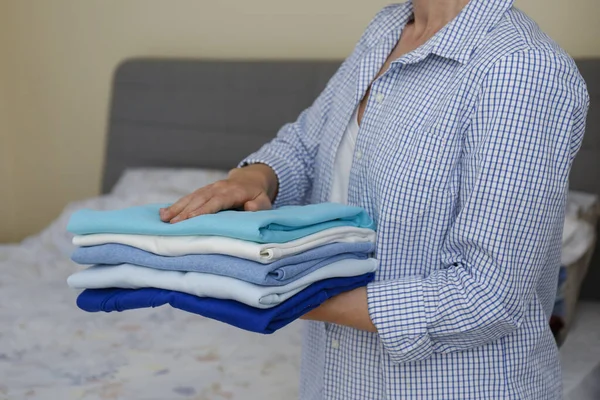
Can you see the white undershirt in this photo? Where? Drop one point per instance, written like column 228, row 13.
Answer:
column 343, row 162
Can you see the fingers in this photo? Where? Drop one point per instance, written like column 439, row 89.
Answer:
column 212, row 206
column 262, row 202
column 167, row 214
column 195, row 203
column 222, row 195
column 219, row 194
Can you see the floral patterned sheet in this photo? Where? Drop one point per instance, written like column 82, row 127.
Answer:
column 49, row 349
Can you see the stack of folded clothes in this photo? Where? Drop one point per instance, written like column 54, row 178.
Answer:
column 258, row 271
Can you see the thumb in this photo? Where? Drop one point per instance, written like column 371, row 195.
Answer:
column 262, row 202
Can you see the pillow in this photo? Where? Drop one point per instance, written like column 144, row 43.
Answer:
column 171, row 183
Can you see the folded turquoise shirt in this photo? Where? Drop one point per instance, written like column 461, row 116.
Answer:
column 272, row 226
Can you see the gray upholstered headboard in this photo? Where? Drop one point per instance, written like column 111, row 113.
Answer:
column 203, row 114
column 585, row 174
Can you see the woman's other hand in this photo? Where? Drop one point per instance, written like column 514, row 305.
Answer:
column 252, row 188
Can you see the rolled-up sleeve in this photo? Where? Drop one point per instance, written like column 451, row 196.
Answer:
column 524, row 132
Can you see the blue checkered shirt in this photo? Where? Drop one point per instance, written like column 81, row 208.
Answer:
column 462, row 159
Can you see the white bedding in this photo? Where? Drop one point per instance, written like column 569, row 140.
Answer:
column 49, row 349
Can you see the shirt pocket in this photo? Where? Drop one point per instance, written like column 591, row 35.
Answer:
column 412, row 176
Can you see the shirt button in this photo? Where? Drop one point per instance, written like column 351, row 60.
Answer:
column 358, row 155
column 335, row 344
column 379, row 97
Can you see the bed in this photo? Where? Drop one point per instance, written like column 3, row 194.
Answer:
column 174, row 125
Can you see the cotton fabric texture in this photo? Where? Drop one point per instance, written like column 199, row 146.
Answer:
column 277, row 273
column 260, row 252
column 127, row 276
column 240, row 315
column 271, row 226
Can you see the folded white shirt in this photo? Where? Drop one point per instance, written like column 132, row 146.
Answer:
column 127, row 276
column 259, row 252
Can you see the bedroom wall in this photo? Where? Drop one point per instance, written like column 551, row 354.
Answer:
column 7, row 231
column 63, row 53
column 7, row 205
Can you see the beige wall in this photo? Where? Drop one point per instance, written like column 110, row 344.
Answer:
column 63, row 52
column 7, row 205
column 573, row 24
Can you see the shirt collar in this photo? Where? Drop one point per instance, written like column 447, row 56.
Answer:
column 458, row 39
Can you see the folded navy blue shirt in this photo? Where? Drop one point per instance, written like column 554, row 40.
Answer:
column 229, row 311
column 280, row 272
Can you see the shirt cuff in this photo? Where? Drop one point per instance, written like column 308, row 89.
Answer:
column 288, row 180
column 398, row 309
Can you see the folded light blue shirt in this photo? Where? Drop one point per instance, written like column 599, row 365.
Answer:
column 229, row 311
column 271, row 226
column 280, row 272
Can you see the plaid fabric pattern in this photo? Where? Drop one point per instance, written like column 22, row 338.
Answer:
column 462, row 158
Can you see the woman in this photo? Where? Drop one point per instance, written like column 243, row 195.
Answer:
column 454, row 124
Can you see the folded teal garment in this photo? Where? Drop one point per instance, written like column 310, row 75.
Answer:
column 272, row 226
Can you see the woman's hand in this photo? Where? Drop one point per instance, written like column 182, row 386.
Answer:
column 253, row 187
